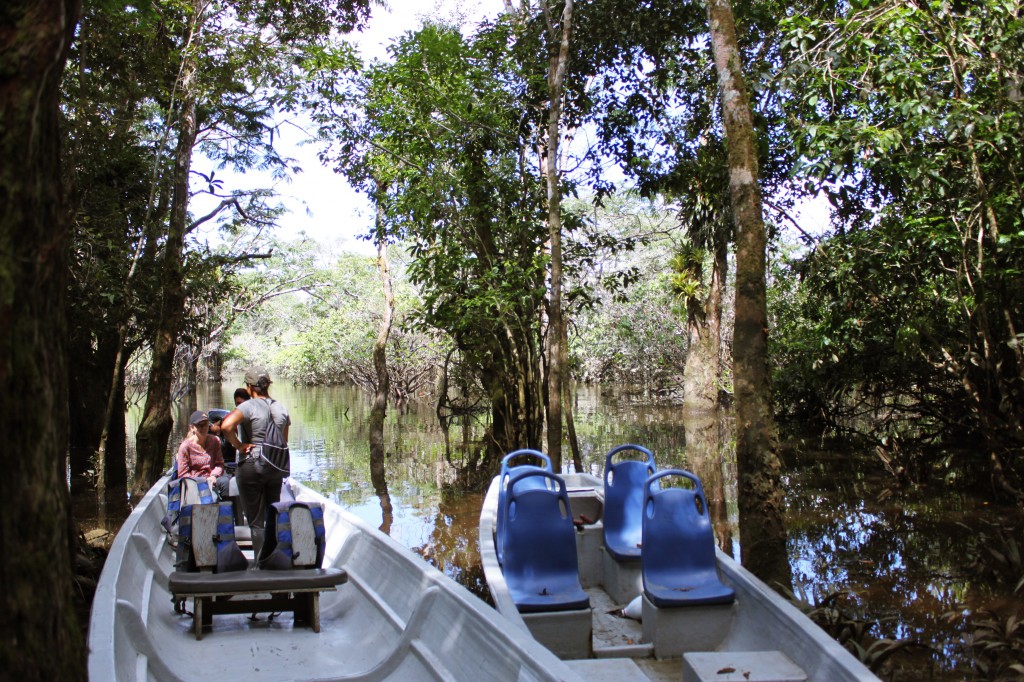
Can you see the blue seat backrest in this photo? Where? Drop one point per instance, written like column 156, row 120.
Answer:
column 679, row 566
column 295, row 536
column 216, row 550
column 508, row 467
column 185, row 491
column 624, row 500
column 541, row 568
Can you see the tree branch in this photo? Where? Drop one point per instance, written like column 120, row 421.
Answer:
column 213, row 214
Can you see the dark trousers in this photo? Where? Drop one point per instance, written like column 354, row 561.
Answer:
column 258, row 490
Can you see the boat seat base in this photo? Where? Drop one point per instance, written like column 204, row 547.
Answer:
column 566, row 633
column 680, row 629
column 623, row 580
column 741, row 666
column 296, row 591
column 590, row 555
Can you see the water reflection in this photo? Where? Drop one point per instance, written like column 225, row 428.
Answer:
column 706, row 435
column 905, row 562
column 378, row 477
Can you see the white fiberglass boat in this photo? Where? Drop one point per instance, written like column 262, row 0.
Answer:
column 719, row 622
column 383, row 614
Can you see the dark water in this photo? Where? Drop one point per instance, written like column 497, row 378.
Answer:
column 894, row 566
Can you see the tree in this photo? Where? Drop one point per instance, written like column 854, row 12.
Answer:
column 619, row 295
column 908, row 116
column 559, row 33
column 442, row 128
column 761, row 503
column 701, row 297
column 155, row 428
column 107, row 166
column 380, row 398
column 39, row 638
column 222, row 89
column 654, row 104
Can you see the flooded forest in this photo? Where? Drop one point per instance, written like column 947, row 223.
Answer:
column 778, row 245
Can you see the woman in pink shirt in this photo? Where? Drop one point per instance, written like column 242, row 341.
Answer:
column 199, row 455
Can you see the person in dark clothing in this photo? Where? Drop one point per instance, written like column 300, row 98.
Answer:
column 259, row 486
column 216, row 428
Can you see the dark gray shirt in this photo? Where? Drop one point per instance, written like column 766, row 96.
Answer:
column 256, row 412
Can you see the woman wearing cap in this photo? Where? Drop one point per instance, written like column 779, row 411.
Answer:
column 199, row 455
column 258, row 486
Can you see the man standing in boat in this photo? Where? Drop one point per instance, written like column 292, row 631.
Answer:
column 259, row 482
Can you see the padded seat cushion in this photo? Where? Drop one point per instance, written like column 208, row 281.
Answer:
column 181, row 582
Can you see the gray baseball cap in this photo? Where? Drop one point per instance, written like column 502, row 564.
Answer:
column 255, row 373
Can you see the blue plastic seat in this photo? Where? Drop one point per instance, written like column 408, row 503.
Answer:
column 512, row 463
column 624, row 500
column 678, row 566
column 541, row 568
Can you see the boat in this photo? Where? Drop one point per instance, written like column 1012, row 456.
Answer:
column 392, row 617
column 735, row 627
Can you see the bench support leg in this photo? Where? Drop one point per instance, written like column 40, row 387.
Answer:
column 197, row 616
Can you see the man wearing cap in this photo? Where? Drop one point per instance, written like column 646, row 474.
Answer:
column 199, row 454
column 259, row 486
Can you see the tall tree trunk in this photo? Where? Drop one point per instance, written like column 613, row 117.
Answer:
column 556, row 76
column 155, row 429
column 703, row 372
column 91, row 358
column 40, row 638
column 380, row 360
column 214, row 363
column 762, row 531
column 112, row 456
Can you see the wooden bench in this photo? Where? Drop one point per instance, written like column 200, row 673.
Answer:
column 296, row 591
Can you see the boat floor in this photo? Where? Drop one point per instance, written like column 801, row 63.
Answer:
column 396, row 618
column 616, row 636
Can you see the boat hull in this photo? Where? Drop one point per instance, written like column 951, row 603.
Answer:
column 397, row 618
column 759, row 620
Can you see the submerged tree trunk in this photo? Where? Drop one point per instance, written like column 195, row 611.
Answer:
column 155, row 429
column 380, row 360
column 559, row 60
column 40, row 638
column 706, row 459
column 762, row 531
column 570, row 428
